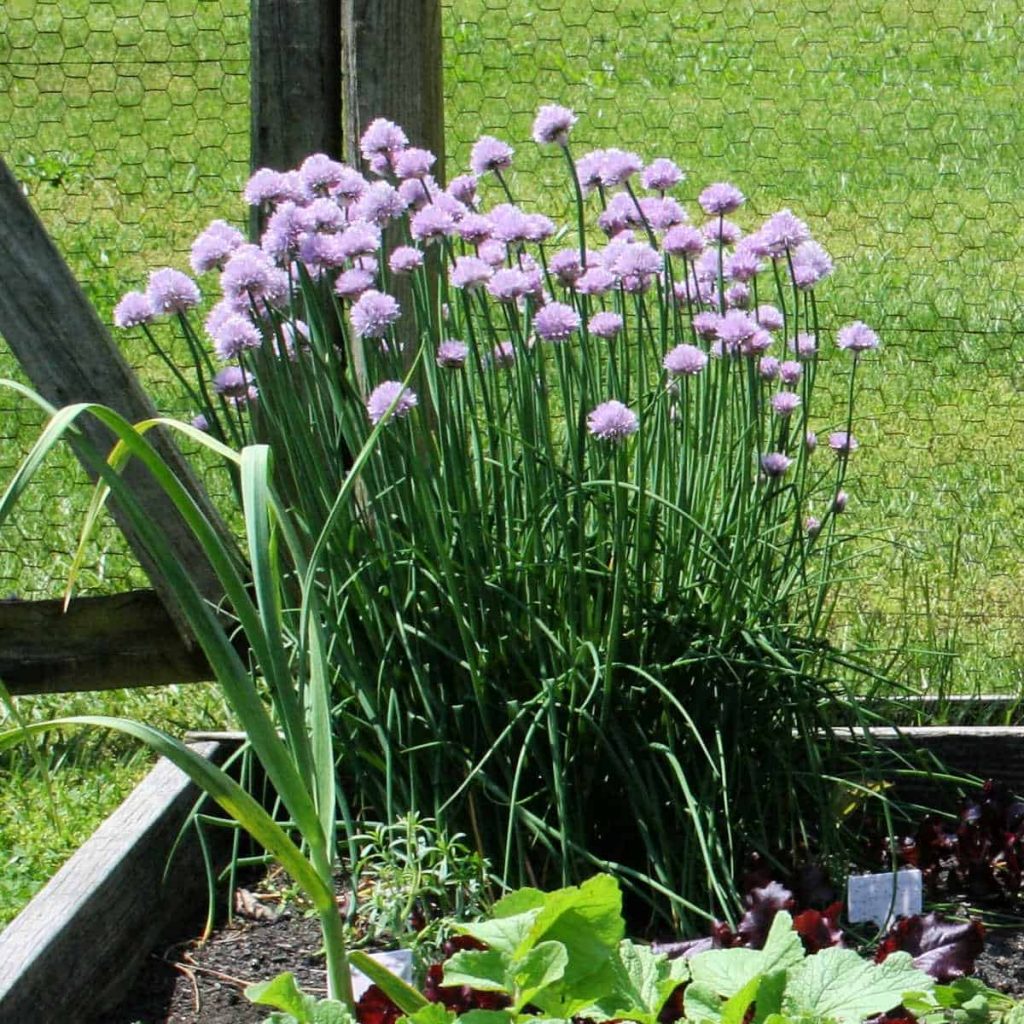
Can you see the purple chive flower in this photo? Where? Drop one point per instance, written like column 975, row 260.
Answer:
column 737, row 296
column 503, row 355
column 618, row 166
column 509, row 223
column 596, row 281
column 842, row 443
column 322, row 252
column 810, row 441
column 605, row 325
column 742, row 266
column 782, row 231
column 722, row 230
column 636, row 266
column 452, row 354
column 360, row 239
column 760, row 341
column 474, row 228
column 349, row 186
column 565, row 265
column 470, row 272
column 770, row 318
column 373, row 313
column 588, row 170
column 685, row 361
column 556, row 322
column 211, row 249
column 734, row 328
column 249, row 275
column 705, row 325
column 414, row 163
column 857, row 337
column 662, row 213
column 839, row 502
column 234, row 335
column 621, row 211
column 492, row 252
column 784, row 403
column 353, row 283
column 133, row 310
column 463, row 188
column 283, row 233
column 379, row 204
column 538, row 227
column 320, row 174
column 812, row 526
column 768, row 367
column 323, row 215
column 683, row 240
column 384, row 396
column 430, row 224
column 405, row 259
column 552, row 125
column 612, row 421
column 200, row 422
column 790, row 372
column 267, row 186
column 382, row 138
column 222, row 311
column 720, row 198
column 661, row 174
column 775, row 464
column 418, row 192
column 490, row 154
column 805, row 345
column 811, row 264
column 508, row 285
column 171, row 291
column 235, row 384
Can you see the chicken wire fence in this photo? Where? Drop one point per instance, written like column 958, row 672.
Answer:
column 891, row 127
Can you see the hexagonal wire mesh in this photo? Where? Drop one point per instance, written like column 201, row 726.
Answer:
column 891, row 126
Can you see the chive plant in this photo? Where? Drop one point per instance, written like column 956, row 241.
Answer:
column 577, row 605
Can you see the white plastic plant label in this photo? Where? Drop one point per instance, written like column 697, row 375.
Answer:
column 397, row 962
column 880, row 898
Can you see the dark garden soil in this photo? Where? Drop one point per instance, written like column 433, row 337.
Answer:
column 189, row 983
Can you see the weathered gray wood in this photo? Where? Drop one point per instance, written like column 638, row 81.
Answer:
column 69, row 356
column 295, row 81
column 392, row 67
column 99, row 643
column 71, row 951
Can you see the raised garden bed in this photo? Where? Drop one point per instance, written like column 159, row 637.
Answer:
column 75, row 949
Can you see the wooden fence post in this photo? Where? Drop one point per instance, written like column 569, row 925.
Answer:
column 392, row 67
column 69, row 356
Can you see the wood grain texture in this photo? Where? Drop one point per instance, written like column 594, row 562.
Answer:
column 99, row 643
column 392, row 67
column 69, row 356
column 73, row 948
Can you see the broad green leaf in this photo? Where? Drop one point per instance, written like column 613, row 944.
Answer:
column 769, row 996
column 839, row 984
column 502, row 934
column 726, row 971
column 432, row 1013
column 701, row 1003
column 735, row 1008
column 542, row 966
column 484, row 1017
column 483, row 969
column 643, row 983
column 330, row 1011
column 282, row 993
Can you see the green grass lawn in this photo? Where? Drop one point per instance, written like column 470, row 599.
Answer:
column 895, row 132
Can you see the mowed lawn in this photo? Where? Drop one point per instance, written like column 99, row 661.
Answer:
column 894, row 132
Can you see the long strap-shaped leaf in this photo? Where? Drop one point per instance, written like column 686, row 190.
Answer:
column 228, row 668
column 213, row 781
